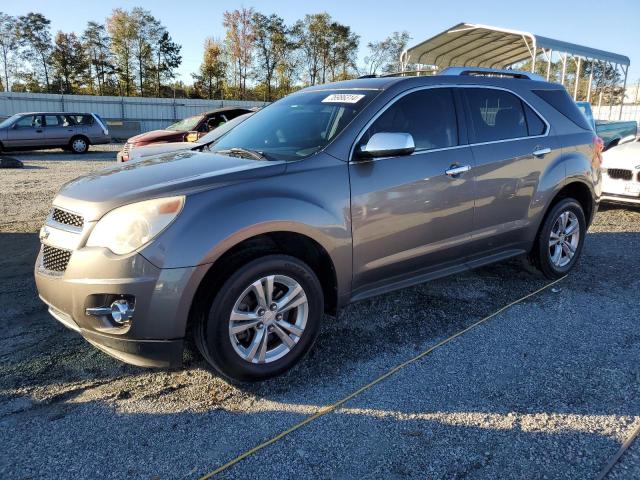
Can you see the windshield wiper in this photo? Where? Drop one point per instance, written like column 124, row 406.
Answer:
column 243, row 152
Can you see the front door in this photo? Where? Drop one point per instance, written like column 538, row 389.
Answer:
column 409, row 217
column 27, row 131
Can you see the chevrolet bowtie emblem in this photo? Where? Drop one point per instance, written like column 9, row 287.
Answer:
column 44, row 233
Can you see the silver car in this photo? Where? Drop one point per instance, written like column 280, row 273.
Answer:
column 69, row 131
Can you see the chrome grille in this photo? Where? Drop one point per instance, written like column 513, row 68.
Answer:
column 125, row 150
column 619, row 173
column 67, row 218
column 55, row 259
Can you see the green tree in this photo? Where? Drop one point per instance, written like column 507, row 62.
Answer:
column 168, row 59
column 384, row 55
column 122, row 30
column 34, row 35
column 240, row 38
column 8, row 45
column 147, row 34
column 210, row 77
column 96, row 44
column 272, row 45
column 68, row 62
column 342, row 54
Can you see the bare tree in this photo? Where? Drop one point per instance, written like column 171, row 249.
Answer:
column 240, row 38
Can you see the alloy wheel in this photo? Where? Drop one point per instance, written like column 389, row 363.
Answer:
column 268, row 319
column 564, row 239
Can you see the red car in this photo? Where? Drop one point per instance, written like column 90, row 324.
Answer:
column 192, row 127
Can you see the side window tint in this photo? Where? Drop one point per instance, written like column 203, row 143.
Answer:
column 535, row 125
column 495, row 115
column 428, row 115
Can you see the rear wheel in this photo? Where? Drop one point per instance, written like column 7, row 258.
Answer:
column 561, row 238
column 262, row 320
column 79, row 145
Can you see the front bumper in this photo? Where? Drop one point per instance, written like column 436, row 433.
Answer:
column 94, row 276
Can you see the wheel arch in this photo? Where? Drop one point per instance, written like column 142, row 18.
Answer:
column 285, row 242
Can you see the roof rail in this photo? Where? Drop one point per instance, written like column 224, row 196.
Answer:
column 490, row 72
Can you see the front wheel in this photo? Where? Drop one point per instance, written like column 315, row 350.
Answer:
column 262, row 320
column 561, row 238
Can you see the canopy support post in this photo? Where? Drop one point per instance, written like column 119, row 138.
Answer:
column 564, row 69
column 624, row 91
column 575, row 89
column 590, row 81
column 549, row 64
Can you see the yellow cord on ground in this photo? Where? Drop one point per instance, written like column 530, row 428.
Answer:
column 625, row 446
column 330, row 408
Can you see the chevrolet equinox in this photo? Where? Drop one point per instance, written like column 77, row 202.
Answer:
column 328, row 196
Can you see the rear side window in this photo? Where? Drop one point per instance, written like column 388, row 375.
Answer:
column 535, row 125
column 79, row 119
column 428, row 115
column 562, row 102
column 495, row 115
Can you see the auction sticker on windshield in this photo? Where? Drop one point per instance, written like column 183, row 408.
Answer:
column 343, row 98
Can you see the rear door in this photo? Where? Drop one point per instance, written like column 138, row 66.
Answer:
column 58, row 129
column 409, row 217
column 26, row 132
column 511, row 147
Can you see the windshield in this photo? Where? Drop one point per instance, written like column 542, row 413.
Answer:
column 185, row 124
column 298, row 125
column 216, row 133
column 8, row 121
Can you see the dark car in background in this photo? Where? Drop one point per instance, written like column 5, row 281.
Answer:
column 203, row 143
column 69, row 131
column 187, row 129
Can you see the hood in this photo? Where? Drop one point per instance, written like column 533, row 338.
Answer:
column 94, row 195
column 160, row 148
column 157, row 136
column 625, row 156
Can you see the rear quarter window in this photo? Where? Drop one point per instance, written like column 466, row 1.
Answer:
column 563, row 103
column 82, row 119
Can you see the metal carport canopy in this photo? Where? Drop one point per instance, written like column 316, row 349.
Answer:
column 474, row 45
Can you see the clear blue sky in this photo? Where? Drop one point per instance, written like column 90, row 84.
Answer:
column 608, row 25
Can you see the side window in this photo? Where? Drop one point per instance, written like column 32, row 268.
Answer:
column 429, row 115
column 51, row 120
column 535, row 125
column 80, row 119
column 26, row 122
column 495, row 115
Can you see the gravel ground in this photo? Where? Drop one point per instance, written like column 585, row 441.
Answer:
column 549, row 388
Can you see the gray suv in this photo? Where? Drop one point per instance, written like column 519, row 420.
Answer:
column 70, row 131
column 331, row 195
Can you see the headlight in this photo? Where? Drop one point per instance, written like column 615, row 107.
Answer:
column 128, row 228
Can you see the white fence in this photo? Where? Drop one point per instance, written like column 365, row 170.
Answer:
column 629, row 112
column 152, row 113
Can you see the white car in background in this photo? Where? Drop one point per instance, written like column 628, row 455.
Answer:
column 621, row 173
column 202, row 143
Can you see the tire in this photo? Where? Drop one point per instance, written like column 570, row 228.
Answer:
column 556, row 255
column 239, row 355
column 79, row 145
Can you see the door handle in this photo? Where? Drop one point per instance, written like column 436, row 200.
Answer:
column 541, row 152
column 39, row 130
column 456, row 170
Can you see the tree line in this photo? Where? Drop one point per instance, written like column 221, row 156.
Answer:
column 132, row 53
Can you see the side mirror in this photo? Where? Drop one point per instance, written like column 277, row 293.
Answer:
column 387, row 144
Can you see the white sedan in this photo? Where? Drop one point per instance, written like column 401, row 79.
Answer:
column 203, row 142
column 621, row 173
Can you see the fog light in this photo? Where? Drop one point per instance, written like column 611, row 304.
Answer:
column 120, row 311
